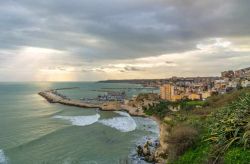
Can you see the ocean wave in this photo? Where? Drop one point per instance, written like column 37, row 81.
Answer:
column 123, row 124
column 147, row 124
column 3, row 158
column 122, row 113
column 80, row 120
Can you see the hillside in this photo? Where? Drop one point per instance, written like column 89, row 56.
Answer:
column 215, row 131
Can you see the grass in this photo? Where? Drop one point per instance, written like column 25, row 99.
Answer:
column 225, row 99
column 237, row 155
column 195, row 155
column 223, row 125
column 197, row 103
column 224, row 130
column 180, row 139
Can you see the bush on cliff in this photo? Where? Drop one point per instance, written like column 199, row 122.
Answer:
column 224, row 129
column 229, row 127
column 180, row 139
column 225, row 99
column 159, row 110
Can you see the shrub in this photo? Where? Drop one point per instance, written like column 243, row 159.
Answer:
column 223, row 100
column 229, row 126
column 160, row 109
column 180, row 139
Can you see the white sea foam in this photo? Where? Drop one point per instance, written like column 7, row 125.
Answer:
column 3, row 158
column 147, row 124
column 152, row 134
column 80, row 120
column 122, row 113
column 123, row 124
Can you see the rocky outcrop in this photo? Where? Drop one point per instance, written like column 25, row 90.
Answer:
column 162, row 150
column 147, row 151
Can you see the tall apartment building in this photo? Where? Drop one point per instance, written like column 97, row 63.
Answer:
column 166, row 91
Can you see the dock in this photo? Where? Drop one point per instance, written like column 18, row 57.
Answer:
column 53, row 96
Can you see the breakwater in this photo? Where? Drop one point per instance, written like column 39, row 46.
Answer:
column 53, row 96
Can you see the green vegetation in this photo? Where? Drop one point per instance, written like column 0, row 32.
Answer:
column 180, row 139
column 212, row 131
column 197, row 103
column 228, row 126
column 237, row 155
column 225, row 99
column 195, row 155
column 165, row 107
column 147, row 96
column 159, row 110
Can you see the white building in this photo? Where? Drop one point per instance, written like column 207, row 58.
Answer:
column 233, row 84
column 245, row 83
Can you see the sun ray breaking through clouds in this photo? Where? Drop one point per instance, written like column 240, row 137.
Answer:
column 94, row 40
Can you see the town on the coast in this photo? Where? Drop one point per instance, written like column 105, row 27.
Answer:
column 172, row 89
column 200, row 88
column 196, row 88
column 165, row 100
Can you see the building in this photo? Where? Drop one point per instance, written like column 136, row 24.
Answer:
column 175, row 93
column 194, row 96
column 171, row 93
column 245, row 83
column 243, row 73
column 205, row 95
column 220, row 84
column 233, row 84
column 227, row 74
column 177, row 97
column 166, row 91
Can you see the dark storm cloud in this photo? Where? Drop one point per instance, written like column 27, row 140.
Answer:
column 121, row 29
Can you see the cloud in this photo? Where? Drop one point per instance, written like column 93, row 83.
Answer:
column 132, row 69
column 98, row 36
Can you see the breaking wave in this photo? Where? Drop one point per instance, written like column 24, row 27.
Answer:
column 80, row 120
column 122, row 113
column 123, row 124
column 147, row 124
column 3, row 158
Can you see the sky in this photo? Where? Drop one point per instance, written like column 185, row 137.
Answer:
column 90, row 40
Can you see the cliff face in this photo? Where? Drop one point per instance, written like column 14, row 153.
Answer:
column 162, row 150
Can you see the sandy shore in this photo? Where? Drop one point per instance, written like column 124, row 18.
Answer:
column 52, row 97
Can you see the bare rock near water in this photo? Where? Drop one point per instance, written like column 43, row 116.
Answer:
column 161, row 152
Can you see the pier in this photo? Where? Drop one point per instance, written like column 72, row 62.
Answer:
column 53, row 96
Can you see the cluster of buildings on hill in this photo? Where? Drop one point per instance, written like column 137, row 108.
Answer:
column 200, row 88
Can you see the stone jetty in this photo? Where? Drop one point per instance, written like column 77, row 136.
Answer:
column 53, row 96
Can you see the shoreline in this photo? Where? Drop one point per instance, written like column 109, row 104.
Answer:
column 52, row 97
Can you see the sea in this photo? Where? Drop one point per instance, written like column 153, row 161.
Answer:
column 33, row 131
